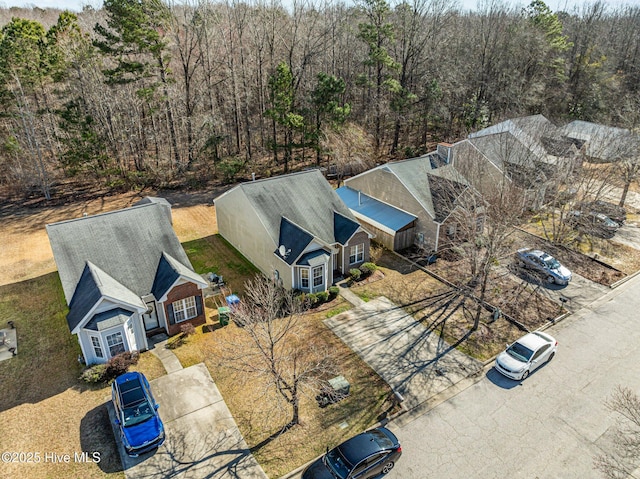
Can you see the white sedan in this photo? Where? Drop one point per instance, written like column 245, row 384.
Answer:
column 526, row 354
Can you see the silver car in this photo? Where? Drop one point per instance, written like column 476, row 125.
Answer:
column 525, row 355
column 545, row 264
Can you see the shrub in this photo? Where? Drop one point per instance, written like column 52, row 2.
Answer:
column 355, row 274
column 94, row 374
column 333, row 291
column 312, row 299
column 368, row 268
column 322, row 296
column 120, row 364
column 187, row 329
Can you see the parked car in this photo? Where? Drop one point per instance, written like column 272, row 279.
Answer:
column 370, row 454
column 140, row 426
column 614, row 212
column 592, row 222
column 525, row 355
column 545, row 264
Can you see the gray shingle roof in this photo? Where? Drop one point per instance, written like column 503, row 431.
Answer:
column 126, row 244
column 108, row 319
column 603, row 142
column 306, row 199
column 294, row 239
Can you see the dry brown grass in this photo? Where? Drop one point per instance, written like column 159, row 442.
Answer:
column 43, row 406
column 253, row 405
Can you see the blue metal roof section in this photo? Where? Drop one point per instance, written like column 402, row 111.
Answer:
column 369, row 207
column 343, row 228
column 294, row 239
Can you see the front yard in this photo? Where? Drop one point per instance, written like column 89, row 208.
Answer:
column 45, row 408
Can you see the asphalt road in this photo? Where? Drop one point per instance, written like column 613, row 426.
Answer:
column 549, row 426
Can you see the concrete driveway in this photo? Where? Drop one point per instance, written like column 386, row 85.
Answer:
column 629, row 235
column 579, row 293
column 412, row 359
column 203, row 440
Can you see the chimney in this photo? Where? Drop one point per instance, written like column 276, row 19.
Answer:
column 359, row 199
column 445, row 151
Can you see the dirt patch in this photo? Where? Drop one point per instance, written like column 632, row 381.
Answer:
column 26, row 250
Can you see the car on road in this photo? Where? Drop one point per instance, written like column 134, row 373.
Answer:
column 592, row 222
column 544, row 264
column 141, row 429
column 371, row 454
column 525, row 355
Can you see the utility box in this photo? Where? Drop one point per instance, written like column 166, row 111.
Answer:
column 337, row 390
column 223, row 315
column 340, row 385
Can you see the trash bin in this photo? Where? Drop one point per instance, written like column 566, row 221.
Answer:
column 223, row 315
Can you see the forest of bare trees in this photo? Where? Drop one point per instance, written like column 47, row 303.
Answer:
column 150, row 93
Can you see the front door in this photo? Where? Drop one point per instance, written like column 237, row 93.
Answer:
column 150, row 318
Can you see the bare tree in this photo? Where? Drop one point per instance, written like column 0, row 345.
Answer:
column 623, row 461
column 278, row 350
column 484, row 221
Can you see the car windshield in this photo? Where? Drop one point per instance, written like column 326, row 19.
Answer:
column 519, row 352
column 137, row 414
column 551, row 262
column 338, row 465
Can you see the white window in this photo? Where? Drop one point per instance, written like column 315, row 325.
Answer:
column 97, row 348
column 318, row 276
column 185, row 309
column 356, row 254
column 115, row 342
column 304, row 278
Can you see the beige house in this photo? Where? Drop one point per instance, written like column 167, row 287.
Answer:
column 294, row 228
column 419, row 195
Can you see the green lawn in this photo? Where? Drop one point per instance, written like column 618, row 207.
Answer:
column 215, row 254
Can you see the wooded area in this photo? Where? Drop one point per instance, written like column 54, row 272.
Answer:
column 149, row 93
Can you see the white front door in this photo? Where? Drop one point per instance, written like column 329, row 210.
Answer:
column 150, row 318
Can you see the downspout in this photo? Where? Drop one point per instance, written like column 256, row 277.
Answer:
column 437, row 237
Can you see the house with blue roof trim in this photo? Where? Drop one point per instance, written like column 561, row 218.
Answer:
column 125, row 277
column 294, row 228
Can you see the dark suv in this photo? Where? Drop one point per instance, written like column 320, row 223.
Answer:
column 593, row 223
column 613, row 211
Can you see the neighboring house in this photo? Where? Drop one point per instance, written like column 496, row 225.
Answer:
column 407, row 202
column 294, row 228
column 125, row 277
column 600, row 142
column 530, row 151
